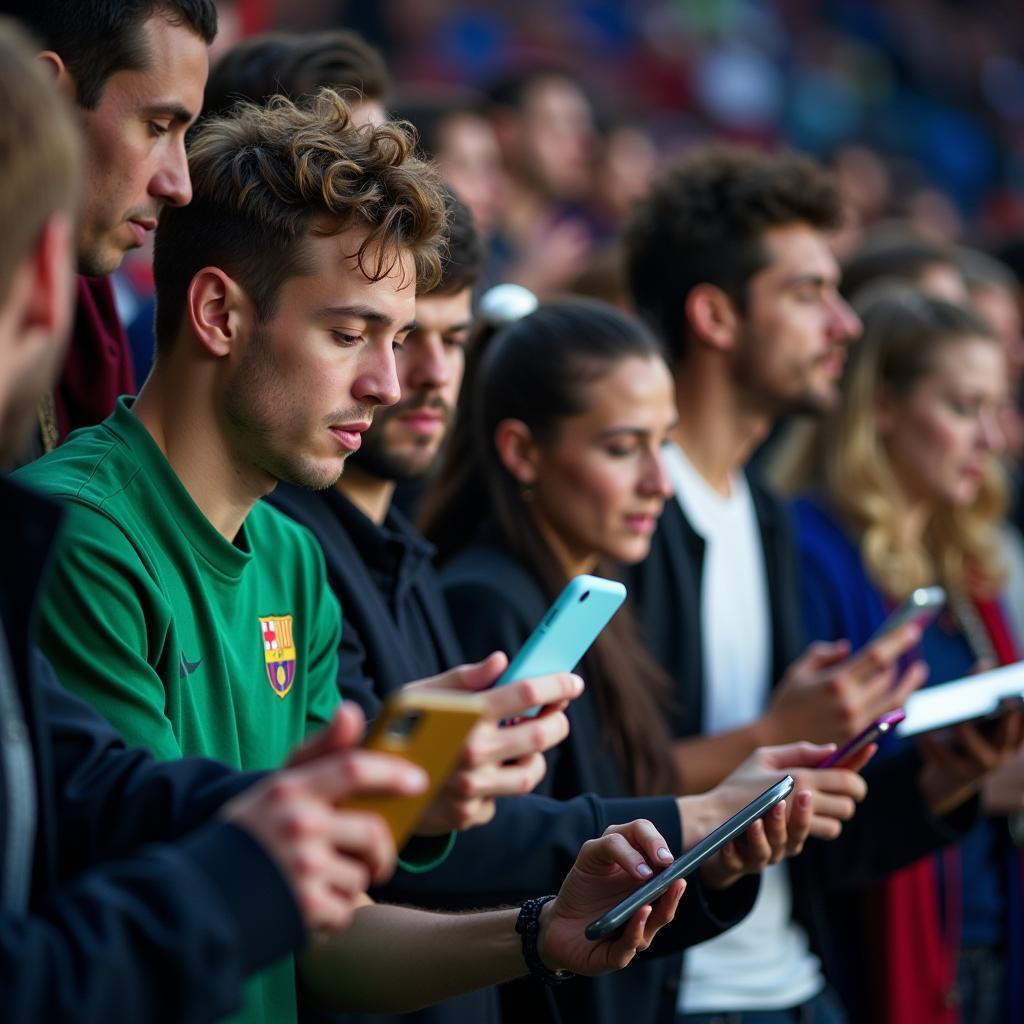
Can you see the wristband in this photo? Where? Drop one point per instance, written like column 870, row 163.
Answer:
column 528, row 926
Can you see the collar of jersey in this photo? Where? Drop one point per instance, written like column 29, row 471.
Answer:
column 226, row 558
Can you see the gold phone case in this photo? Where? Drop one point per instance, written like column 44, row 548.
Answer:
column 429, row 729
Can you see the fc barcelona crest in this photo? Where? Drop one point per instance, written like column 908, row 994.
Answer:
column 279, row 652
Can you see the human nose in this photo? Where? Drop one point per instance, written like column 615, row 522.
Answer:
column 655, row 479
column 844, row 323
column 171, row 183
column 992, row 431
column 378, row 381
column 428, row 365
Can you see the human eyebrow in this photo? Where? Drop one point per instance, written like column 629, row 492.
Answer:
column 606, row 435
column 367, row 313
column 174, row 111
column 814, row 280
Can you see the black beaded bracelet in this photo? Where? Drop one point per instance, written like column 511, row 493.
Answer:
column 528, row 926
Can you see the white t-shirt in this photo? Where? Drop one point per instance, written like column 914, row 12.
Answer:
column 765, row 962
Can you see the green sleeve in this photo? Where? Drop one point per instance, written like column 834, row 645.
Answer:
column 102, row 621
column 325, row 640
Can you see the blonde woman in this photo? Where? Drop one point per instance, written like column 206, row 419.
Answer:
column 911, row 495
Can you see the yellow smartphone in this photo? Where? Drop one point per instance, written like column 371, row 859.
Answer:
column 428, row 728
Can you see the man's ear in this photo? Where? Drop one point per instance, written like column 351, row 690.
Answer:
column 711, row 317
column 48, row 284
column 58, row 71
column 517, row 450
column 217, row 310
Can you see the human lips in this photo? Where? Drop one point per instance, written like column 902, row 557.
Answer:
column 350, row 435
column 139, row 226
column 423, row 421
column 642, row 522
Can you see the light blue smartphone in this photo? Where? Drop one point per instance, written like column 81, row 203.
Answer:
column 568, row 629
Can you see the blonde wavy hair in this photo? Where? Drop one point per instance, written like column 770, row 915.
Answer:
column 904, row 333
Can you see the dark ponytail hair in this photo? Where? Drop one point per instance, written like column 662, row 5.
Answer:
column 539, row 370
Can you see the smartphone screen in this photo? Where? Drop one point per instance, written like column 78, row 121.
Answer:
column 690, row 861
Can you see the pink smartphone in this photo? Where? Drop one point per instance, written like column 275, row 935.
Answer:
column 875, row 730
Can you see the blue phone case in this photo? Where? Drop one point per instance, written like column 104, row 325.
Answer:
column 570, row 626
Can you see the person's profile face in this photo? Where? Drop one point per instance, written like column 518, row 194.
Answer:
column 796, row 327
column 557, row 137
column 135, row 145
column 300, row 391
column 469, row 160
column 941, row 437
column 601, row 484
column 405, row 438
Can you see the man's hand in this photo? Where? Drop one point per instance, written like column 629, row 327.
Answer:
column 829, row 697
column 499, row 760
column 606, row 871
column 834, row 794
column 329, row 856
column 766, row 841
column 956, row 761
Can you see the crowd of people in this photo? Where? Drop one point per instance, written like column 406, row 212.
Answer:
column 398, row 367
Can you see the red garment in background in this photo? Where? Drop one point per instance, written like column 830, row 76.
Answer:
column 920, row 961
column 98, row 367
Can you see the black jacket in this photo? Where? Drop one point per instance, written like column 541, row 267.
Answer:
column 496, row 602
column 396, row 628
column 140, row 908
column 892, row 828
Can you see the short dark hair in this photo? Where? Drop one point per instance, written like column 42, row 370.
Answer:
column 703, row 222
column 903, row 257
column 512, row 90
column 462, row 259
column 264, row 178
column 96, row 38
column 431, row 108
column 296, row 66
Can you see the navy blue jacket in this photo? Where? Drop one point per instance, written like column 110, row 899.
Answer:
column 396, row 628
column 141, row 908
column 496, row 602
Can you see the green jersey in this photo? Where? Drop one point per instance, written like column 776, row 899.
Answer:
column 189, row 644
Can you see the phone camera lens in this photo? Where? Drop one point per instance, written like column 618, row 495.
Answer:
column 402, row 728
column 584, row 596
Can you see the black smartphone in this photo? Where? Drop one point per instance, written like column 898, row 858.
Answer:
column 688, row 862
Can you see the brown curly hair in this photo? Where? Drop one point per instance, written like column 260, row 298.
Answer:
column 266, row 177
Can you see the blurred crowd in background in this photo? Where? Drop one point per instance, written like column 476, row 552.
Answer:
column 917, row 105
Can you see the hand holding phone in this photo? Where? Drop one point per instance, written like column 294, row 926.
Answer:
column 429, row 729
column 690, row 860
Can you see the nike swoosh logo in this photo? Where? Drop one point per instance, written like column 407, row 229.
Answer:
column 186, row 667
